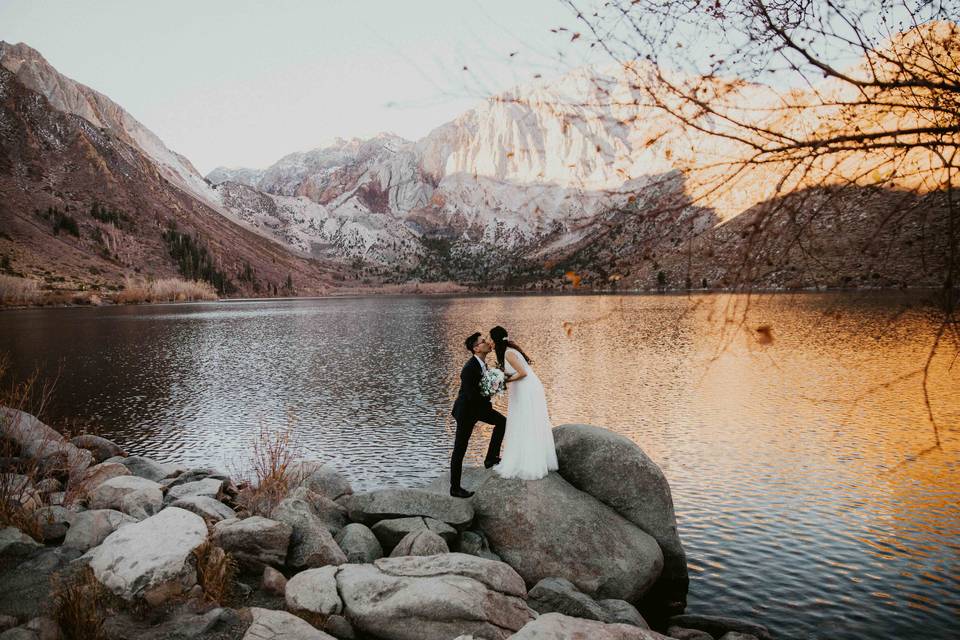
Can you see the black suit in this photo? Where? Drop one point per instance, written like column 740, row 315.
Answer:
column 471, row 407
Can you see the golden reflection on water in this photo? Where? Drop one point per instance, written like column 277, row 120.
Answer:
column 799, row 456
column 814, row 427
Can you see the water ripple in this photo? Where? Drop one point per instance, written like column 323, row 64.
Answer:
column 800, row 493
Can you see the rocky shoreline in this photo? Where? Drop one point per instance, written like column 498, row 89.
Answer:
column 98, row 544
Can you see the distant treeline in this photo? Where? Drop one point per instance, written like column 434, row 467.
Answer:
column 194, row 260
column 108, row 215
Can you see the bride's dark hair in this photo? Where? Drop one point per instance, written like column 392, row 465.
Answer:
column 500, row 344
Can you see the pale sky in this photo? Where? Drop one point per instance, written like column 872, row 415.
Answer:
column 242, row 83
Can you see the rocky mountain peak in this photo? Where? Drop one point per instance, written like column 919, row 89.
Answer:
column 18, row 54
column 69, row 96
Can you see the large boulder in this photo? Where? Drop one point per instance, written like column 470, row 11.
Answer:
column 45, row 628
column 622, row 612
column 101, row 448
column 255, row 542
column 19, row 633
column 420, row 543
column 133, row 495
column 476, row 544
column 42, row 443
column 90, row 528
column 53, row 522
column 59, row 459
column 179, row 622
column 26, row 583
column 96, row 475
column 682, row 633
column 16, row 544
column 212, row 511
column 208, row 487
column 23, row 428
column 152, row 559
column 332, row 514
column 314, row 593
column 359, row 543
column 280, row 625
column 548, row 528
column 193, row 475
column 556, row 595
column 146, row 468
column 433, row 597
column 556, row 626
column 391, row 532
column 323, row 479
column 273, row 582
column 384, row 504
column 718, row 626
column 311, row 544
column 18, row 487
column 614, row 470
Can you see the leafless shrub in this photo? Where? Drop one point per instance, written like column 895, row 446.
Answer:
column 78, row 605
column 265, row 478
column 216, row 572
column 796, row 109
column 18, row 499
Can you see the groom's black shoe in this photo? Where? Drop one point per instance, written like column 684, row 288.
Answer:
column 457, row 492
column 491, row 463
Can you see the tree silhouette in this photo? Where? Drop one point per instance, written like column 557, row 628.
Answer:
column 796, row 95
column 804, row 110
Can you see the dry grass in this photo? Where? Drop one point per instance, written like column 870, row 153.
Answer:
column 165, row 290
column 216, row 572
column 18, row 500
column 265, row 474
column 18, row 290
column 77, row 605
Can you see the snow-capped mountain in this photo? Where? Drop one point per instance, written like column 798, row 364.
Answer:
column 525, row 165
column 574, row 174
column 544, row 172
column 313, row 229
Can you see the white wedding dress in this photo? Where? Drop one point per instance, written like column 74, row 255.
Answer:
column 529, row 452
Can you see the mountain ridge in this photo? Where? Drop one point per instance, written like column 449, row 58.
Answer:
column 84, row 210
column 573, row 176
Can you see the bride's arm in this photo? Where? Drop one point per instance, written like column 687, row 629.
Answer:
column 515, row 363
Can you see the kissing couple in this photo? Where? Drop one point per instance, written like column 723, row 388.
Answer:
column 525, row 432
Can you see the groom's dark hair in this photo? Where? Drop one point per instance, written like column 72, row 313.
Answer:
column 471, row 341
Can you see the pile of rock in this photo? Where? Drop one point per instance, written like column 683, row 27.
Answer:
column 597, row 554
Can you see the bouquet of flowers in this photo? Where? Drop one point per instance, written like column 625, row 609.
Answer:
column 493, row 382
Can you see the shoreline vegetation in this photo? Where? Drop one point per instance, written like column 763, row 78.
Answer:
column 25, row 293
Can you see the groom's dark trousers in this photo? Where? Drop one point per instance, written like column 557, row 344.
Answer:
column 470, row 408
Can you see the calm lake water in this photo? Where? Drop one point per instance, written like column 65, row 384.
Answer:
column 807, row 494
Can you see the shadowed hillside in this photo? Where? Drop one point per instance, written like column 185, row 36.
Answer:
column 83, row 210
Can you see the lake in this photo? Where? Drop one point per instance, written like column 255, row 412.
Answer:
column 808, row 492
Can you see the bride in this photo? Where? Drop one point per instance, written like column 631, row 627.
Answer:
column 530, row 452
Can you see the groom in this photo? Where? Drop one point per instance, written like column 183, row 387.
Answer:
column 471, row 407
